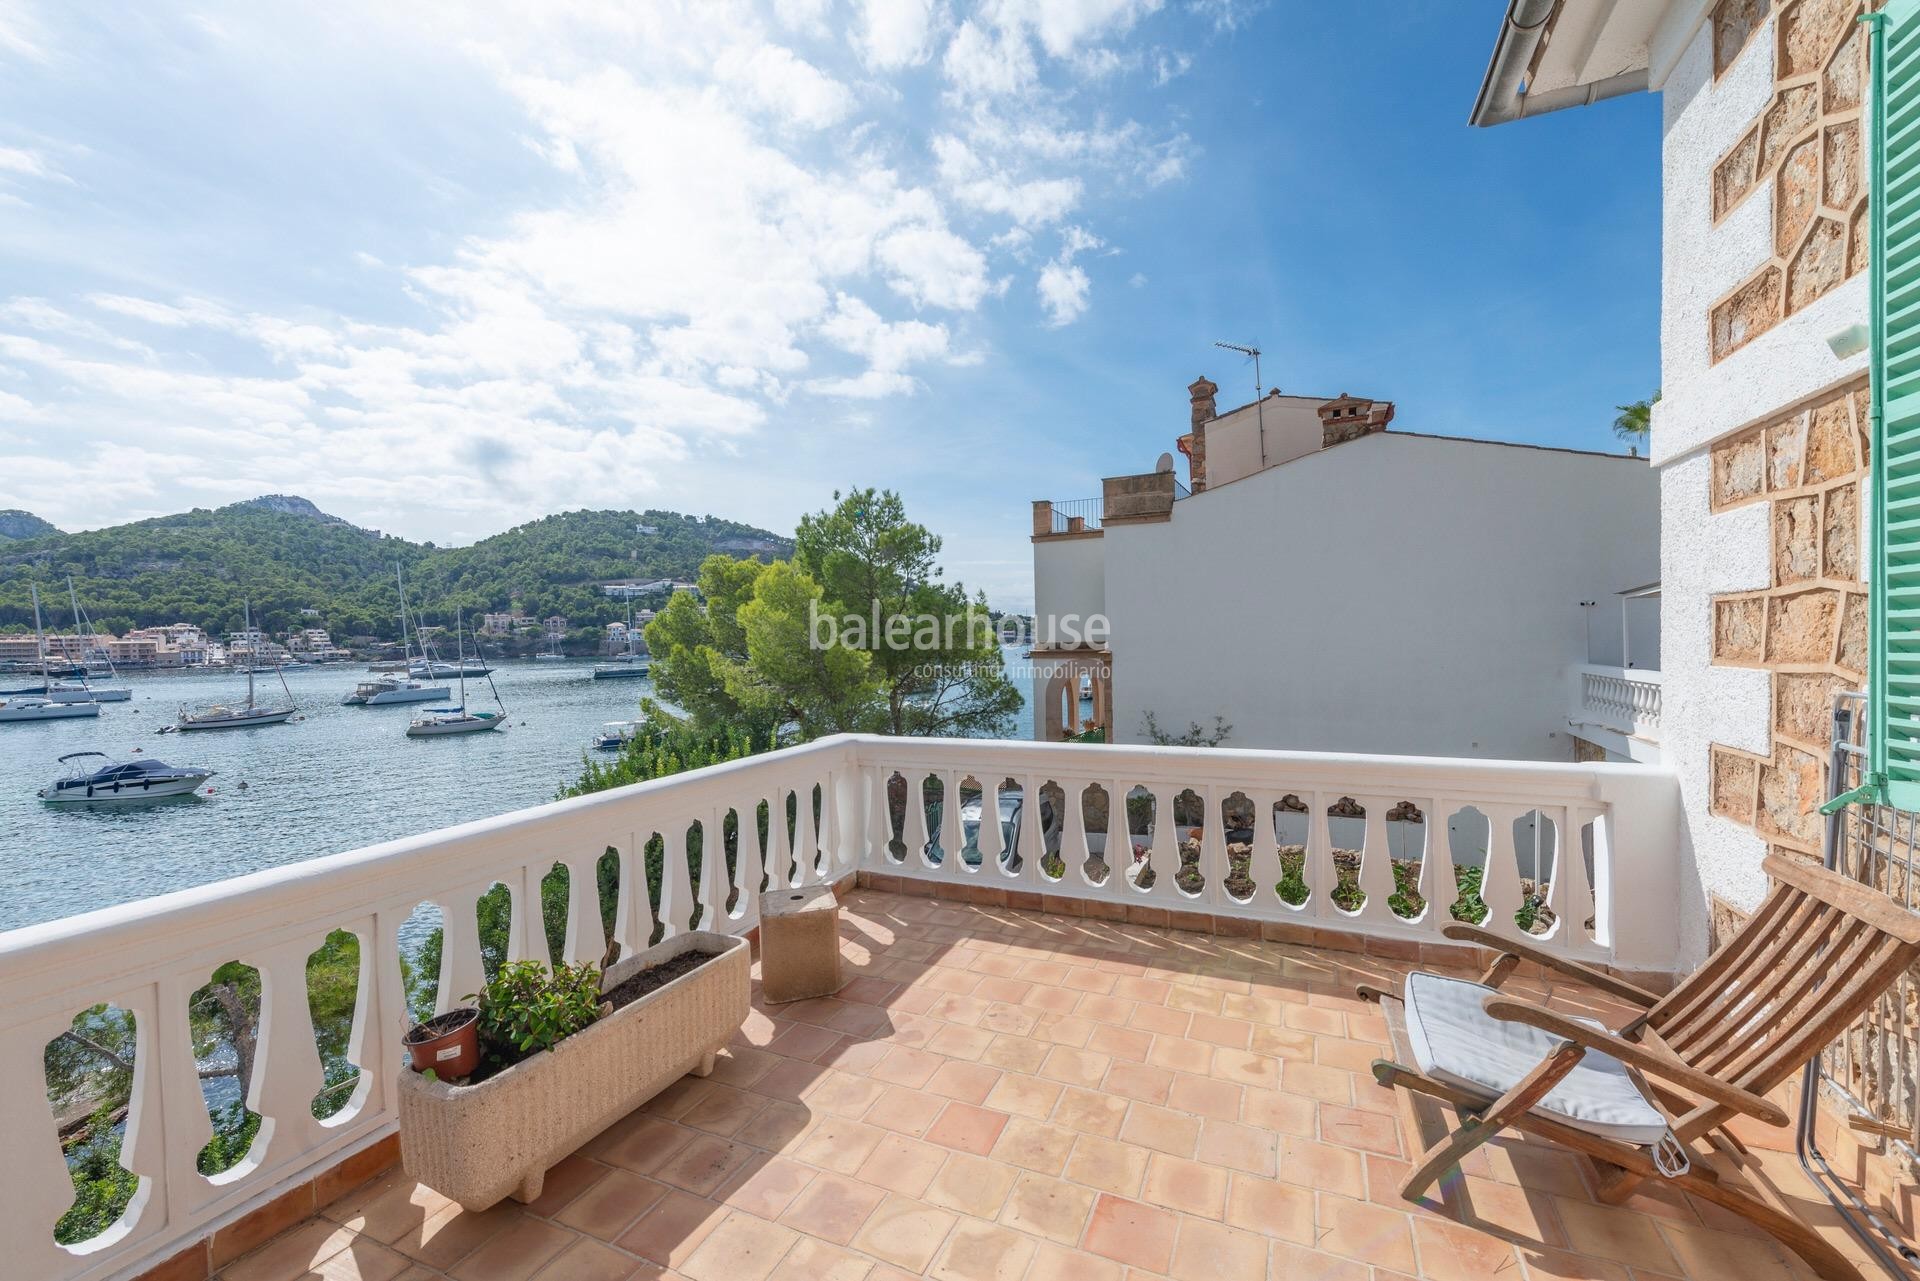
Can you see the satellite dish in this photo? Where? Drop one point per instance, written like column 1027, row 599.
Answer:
column 1165, row 463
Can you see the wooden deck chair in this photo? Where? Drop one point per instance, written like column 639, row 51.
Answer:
column 1649, row 1099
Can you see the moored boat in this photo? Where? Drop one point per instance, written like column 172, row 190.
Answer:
column 437, row 721
column 32, row 707
column 615, row 735
column 120, row 781
column 239, row 715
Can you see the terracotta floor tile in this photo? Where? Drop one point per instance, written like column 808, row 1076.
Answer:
column 1706, row 1254
column 1163, row 1130
column 291, row 1254
column 1177, row 1054
column 586, row 1260
column 1311, row 1080
column 982, row 1252
column 905, row 1232
column 1271, row 1207
column 1016, row 1054
column 644, row 1146
column 1238, row 1147
column 1364, row 1231
column 610, row 1206
column 1620, row 1235
column 703, row 1164
column 968, row 1128
column 721, row 1112
column 671, row 1230
column 811, row 1260
column 1558, row 1265
column 1188, row 1186
column 907, row 1066
column 740, row 1248
column 1451, row 1252
column 777, row 1126
column 1132, row 1233
column 1205, row 1096
column 1023, row 1095
column 902, row 1165
column 1074, row 1067
column 1212, row 1252
column 1159, row 1020
column 387, row 1209
column 1320, row 1165
column 967, row 1082
column 1281, row 1113
column 973, row 1185
column 565, row 1181
column 1107, row 1166
column 515, row 1254
column 452, row 1233
column 765, row 1186
column 1244, row 1067
column 1090, row 1112
column 1140, row 1081
column 958, row 1042
column 1286, row 1260
column 839, row 1144
column 1033, row 1145
column 832, row 1208
column 364, row 1260
column 1353, row 1128
column 1048, row 1207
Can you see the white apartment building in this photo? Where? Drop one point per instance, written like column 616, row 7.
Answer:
column 1324, row 583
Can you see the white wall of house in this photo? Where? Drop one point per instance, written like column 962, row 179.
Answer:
column 1069, row 587
column 1397, row 593
column 1292, row 428
column 1702, row 402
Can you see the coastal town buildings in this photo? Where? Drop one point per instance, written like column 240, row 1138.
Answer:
column 1324, row 583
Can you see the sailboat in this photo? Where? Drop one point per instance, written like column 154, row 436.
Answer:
column 398, row 687
column 551, row 654
column 90, row 645
column 628, row 666
column 42, row 706
column 239, row 715
column 435, row 721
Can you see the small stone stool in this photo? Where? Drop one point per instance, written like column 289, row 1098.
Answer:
column 799, row 943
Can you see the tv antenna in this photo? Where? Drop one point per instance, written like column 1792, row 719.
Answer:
column 1259, row 396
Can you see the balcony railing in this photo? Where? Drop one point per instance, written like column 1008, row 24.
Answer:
column 1085, row 511
column 1625, row 700
column 1319, row 848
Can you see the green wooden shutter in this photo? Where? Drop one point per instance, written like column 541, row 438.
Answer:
column 1894, row 167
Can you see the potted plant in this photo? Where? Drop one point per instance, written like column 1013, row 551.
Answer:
column 447, row 1044
column 564, row 1054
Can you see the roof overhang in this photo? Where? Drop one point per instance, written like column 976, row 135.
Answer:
column 1553, row 54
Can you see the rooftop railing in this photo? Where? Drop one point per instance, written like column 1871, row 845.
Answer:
column 1086, row 511
column 1332, row 849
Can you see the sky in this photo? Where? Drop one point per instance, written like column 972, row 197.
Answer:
column 443, row 268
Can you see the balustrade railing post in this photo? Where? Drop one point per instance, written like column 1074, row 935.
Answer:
column 35, row 1189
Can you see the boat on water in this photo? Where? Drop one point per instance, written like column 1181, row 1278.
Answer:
column 434, row 722
column 631, row 665
column 118, row 782
column 443, row 671
column 83, row 691
column 41, row 705
column 239, row 715
column 400, row 684
column 88, row 687
column 615, row 735
column 551, row 653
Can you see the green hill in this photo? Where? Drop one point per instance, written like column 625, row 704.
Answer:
column 285, row 555
column 15, row 523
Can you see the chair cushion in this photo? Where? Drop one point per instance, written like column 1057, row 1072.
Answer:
column 1455, row 1041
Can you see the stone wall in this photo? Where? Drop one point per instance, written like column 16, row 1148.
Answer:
column 1808, row 140
column 1148, row 496
column 1808, row 625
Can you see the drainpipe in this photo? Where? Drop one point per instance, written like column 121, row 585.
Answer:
column 1502, row 95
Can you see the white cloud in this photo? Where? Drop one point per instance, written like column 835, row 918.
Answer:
column 988, row 63
column 785, row 86
column 932, row 267
column 1063, row 289
column 28, row 164
column 993, row 191
column 891, row 34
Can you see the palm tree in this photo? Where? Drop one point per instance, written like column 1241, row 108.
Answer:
column 1635, row 422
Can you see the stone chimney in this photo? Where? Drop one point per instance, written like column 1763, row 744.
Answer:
column 1347, row 418
column 1200, row 394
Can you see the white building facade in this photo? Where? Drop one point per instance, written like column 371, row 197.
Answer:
column 1381, row 591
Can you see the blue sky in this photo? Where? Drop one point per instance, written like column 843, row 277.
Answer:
column 443, row 268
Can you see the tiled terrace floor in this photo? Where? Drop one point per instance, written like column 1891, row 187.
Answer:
column 1007, row 1095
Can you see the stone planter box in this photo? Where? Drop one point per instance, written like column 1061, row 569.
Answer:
column 477, row 1144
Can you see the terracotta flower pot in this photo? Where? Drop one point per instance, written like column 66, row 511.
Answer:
column 448, row 1043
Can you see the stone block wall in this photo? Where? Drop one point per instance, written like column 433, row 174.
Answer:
column 1809, row 141
column 1808, row 625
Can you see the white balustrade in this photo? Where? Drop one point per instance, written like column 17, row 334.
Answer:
column 1623, row 699
column 148, row 958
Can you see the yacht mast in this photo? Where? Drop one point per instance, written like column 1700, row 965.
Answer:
column 459, row 658
column 40, row 642
column 253, row 650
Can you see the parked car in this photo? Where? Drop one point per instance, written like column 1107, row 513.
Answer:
column 1012, row 812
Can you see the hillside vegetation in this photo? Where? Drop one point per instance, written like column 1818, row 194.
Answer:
column 285, row 555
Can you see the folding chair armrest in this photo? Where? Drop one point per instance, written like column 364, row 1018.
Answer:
column 1643, row 1057
column 1565, row 964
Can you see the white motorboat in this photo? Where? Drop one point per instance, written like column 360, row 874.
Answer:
column 42, row 706
column 239, row 715
column 82, row 691
column 615, row 735
column 402, row 683
column 32, row 707
column 115, row 782
column 441, row 671
column 437, row 721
